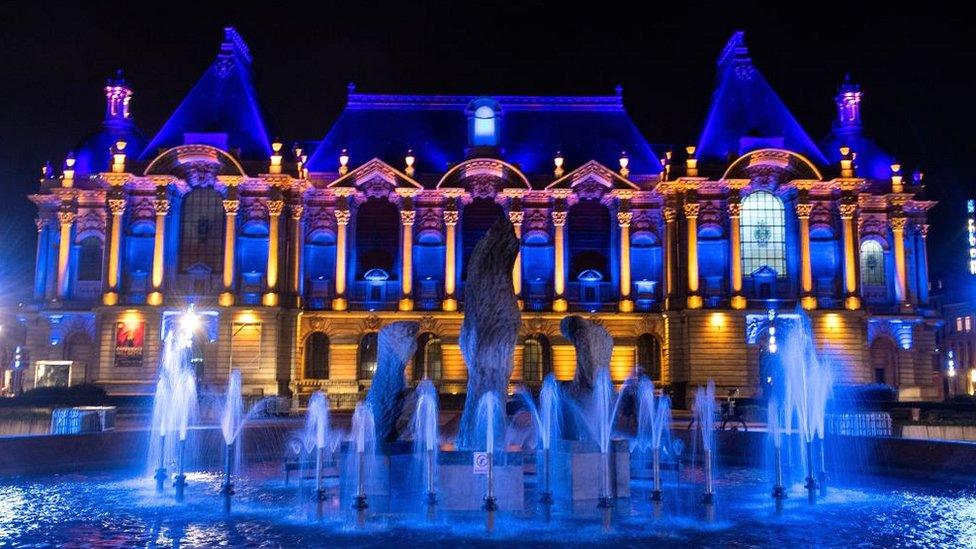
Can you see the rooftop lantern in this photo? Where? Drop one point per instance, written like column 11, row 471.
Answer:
column 344, row 162
column 275, row 157
column 897, row 183
column 666, row 166
column 410, row 159
column 846, row 162
column 46, row 170
column 297, row 152
column 118, row 157
column 558, row 161
column 624, row 162
column 917, row 178
column 68, row 180
column 691, row 162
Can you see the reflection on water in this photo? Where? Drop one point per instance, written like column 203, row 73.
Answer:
column 119, row 511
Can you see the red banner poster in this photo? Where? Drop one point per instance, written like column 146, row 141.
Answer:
column 129, row 338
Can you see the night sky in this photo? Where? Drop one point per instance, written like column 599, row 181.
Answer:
column 916, row 71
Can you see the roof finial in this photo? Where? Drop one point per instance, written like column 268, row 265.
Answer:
column 117, row 96
column 619, row 90
column 351, row 87
column 848, row 100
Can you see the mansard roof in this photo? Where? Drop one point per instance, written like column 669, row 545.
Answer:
column 531, row 130
column 746, row 114
column 222, row 109
column 871, row 161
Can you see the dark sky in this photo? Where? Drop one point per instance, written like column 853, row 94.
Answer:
column 916, row 69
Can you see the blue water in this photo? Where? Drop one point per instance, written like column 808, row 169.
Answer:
column 122, row 510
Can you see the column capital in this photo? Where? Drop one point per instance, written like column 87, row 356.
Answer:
column 624, row 218
column 296, row 211
column 231, row 206
column 342, row 216
column 517, row 218
column 734, row 209
column 691, row 209
column 897, row 223
column 161, row 206
column 803, row 210
column 275, row 207
column 923, row 230
column 117, row 205
column 559, row 218
column 67, row 217
column 40, row 223
column 451, row 217
column 670, row 214
column 407, row 217
column 847, row 211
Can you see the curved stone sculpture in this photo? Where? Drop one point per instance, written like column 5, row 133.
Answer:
column 491, row 323
column 594, row 346
column 396, row 345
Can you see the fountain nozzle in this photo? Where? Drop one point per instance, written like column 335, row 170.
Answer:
column 490, row 504
column 160, row 477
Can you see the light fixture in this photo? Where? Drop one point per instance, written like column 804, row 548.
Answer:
column 772, row 331
column 410, row 159
column 69, row 161
column 343, row 161
column 120, row 145
column 624, row 162
column 558, row 161
column 276, row 147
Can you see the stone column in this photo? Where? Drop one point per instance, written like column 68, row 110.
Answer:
column 451, row 217
column 901, row 278
column 923, row 267
column 407, row 218
column 852, row 300
column 270, row 298
column 517, row 217
column 667, row 278
column 66, row 218
column 738, row 301
column 343, row 215
column 626, row 304
column 40, row 267
column 231, row 206
column 117, row 208
column 559, row 303
column 807, row 299
column 159, row 242
column 691, row 214
column 296, row 252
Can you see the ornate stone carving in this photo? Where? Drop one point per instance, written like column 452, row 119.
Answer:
column 231, row 206
column 691, row 209
column 431, row 219
column 624, row 218
column 371, row 323
column 590, row 189
column 116, row 205
column 91, row 221
column 296, row 211
column 734, row 209
column 377, row 187
column 559, row 218
column 516, row 217
column 537, row 220
column 407, row 217
column 451, row 217
column 483, row 185
column 923, row 230
column 670, row 214
column 898, row 223
column 66, row 217
column 872, row 225
column 821, row 215
column 710, row 213
column 429, row 324
column 161, row 206
column 275, row 207
column 847, row 210
column 803, row 210
column 342, row 216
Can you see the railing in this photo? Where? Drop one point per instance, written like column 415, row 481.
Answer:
column 861, row 424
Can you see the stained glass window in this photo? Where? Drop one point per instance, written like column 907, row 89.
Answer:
column 763, row 233
column 872, row 263
column 202, row 230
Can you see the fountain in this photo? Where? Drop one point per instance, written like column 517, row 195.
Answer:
column 426, row 438
column 174, row 403
column 489, row 428
column 316, row 436
column 605, row 409
column 548, row 415
column 653, row 421
column 704, row 411
column 776, row 437
column 364, row 441
column 231, row 423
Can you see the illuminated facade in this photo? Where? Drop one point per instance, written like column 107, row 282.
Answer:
column 295, row 256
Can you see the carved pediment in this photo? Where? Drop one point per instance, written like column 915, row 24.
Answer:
column 590, row 176
column 376, row 178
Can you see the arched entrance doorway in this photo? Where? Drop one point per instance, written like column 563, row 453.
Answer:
column 884, row 359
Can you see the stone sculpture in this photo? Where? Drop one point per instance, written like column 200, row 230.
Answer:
column 491, row 323
column 396, row 345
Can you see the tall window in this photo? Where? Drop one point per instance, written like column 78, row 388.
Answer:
column 649, row 356
column 367, row 356
column 317, row 356
column 763, row 232
column 377, row 237
column 483, row 123
column 202, row 230
column 535, row 358
column 872, row 263
column 90, row 259
column 427, row 361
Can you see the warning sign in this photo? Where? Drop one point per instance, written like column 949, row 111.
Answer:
column 480, row 463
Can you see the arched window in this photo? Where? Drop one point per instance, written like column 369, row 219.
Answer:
column 872, row 263
column 477, row 218
column 589, row 238
column 649, row 357
column 90, row 260
column 536, row 361
column 763, row 232
column 367, row 356
column 483, row 123
column 427, row 361
column 317, row 356
column 202, row 230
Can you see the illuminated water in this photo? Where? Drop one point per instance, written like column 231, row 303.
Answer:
column 124, row 510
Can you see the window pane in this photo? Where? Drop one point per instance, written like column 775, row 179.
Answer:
column 872, row 263
column 202, row 230
column 763, row 232
column 90, row 259
column 367, row 356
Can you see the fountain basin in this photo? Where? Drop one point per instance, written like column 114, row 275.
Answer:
column 577, row 470
column 394, row 476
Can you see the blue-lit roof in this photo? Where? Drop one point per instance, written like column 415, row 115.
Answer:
column 94, row 154
column 871, row 160
column 746, row 114
column 530, row 131
column 222, row 109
